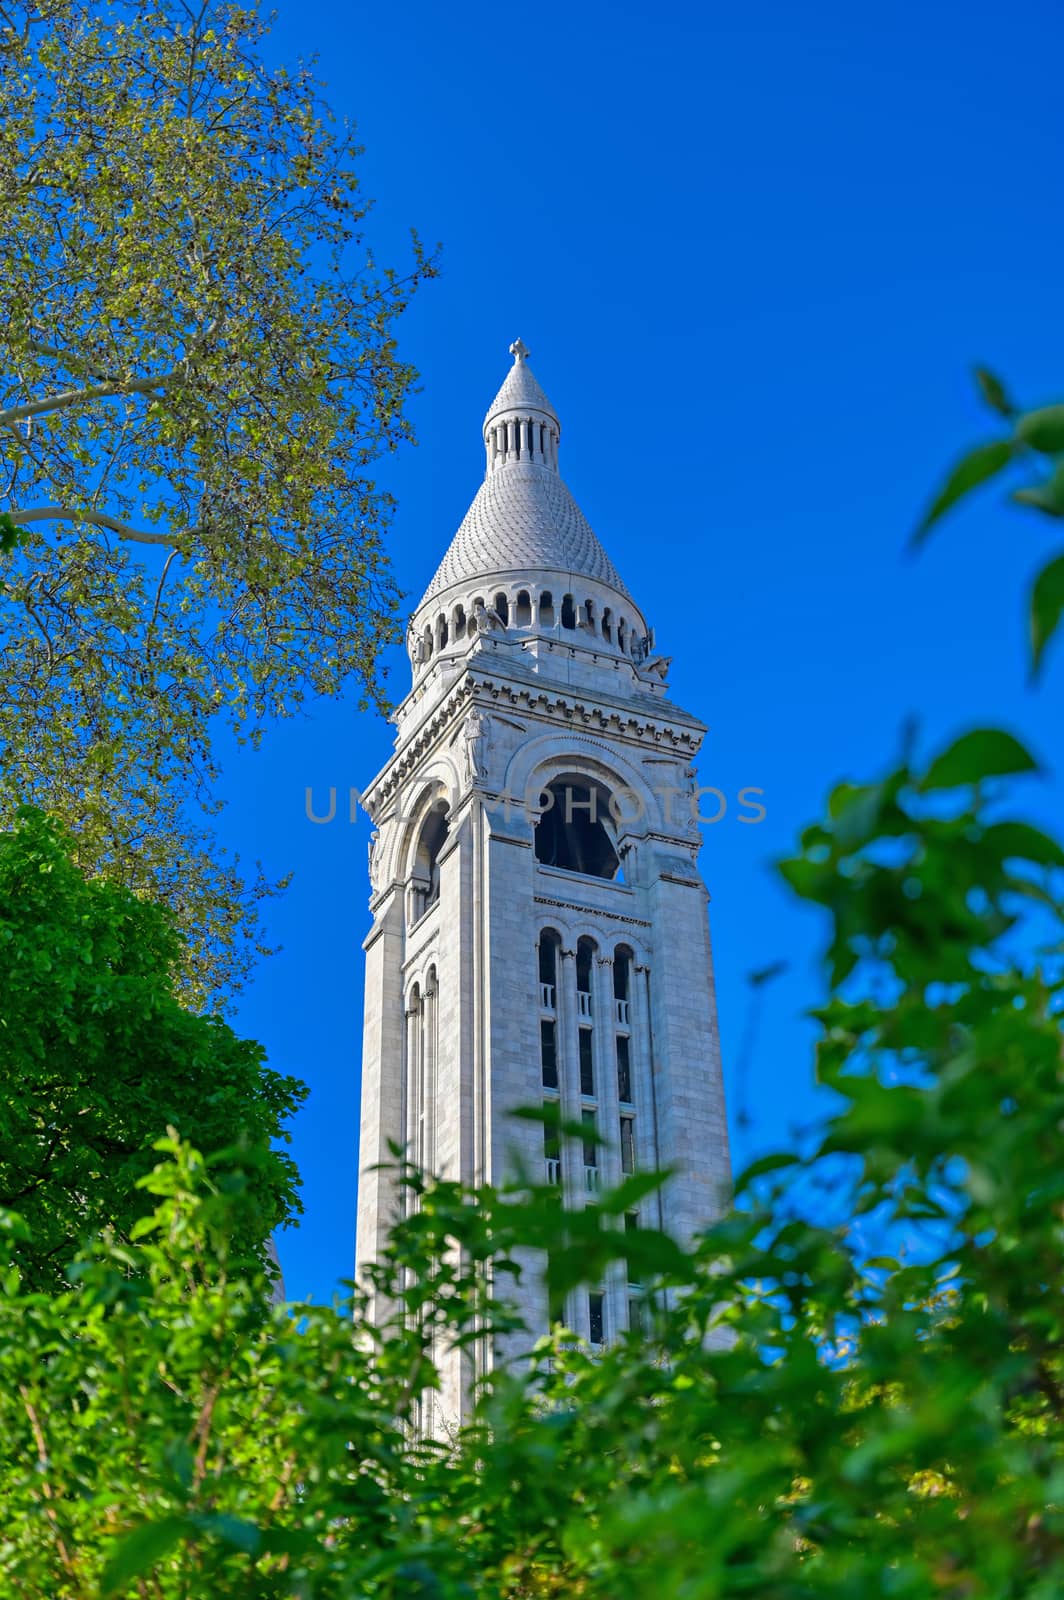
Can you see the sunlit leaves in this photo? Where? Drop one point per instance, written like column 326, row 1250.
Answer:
column 210, row 362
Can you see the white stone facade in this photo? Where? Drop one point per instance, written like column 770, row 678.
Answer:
column 533, row 666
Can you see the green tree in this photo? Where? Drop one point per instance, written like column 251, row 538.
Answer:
column 97, row 1054
column 198, row 370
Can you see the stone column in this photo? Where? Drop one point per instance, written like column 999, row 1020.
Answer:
column 572, row 1151
column 429, row 1073
column 605, row 1061
column 605, row 1058
column 412, row 1084
column 568, row 1036
column 641, row 1056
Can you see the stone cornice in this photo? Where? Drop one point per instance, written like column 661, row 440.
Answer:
column 426, row 944
column 595, row 911
column 680, row 735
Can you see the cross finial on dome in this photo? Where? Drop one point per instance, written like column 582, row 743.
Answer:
column 519, row 350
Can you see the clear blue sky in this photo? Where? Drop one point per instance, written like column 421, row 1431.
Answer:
column 754, row 251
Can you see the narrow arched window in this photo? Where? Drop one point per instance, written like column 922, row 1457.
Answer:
column 441, row 633
column 585, row 966
column 585, row 955
column 568, row 612
column 607, row 625
column 524, row 609
column 502, row 609
column 424, row 888
column 549, row 944
column 546, row 609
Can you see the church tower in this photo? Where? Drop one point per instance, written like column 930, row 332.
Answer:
column 540, row 927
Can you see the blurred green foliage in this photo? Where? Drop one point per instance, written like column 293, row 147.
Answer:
column 797, row 1420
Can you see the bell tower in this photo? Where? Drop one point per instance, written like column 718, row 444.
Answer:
column 540, row 928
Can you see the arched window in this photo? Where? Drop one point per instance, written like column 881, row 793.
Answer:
column 546, row 609
column 471, row 625
column 607, row 624
column 585, row 955
column 428, row 643
column 441, row 632
column 549, row 946
column 585, row 967
column 622, row 635
column 589, row 615
column 573, row 828
column 622, row 986
column 568, row 612
column 424, row 889
column 524, row 609
column 458, row 619
column 502, row 607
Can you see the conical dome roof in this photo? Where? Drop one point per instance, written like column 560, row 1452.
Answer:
column 520, row 391
column 524, row 519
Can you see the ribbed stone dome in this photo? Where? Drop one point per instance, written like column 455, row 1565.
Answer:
column 523, row 519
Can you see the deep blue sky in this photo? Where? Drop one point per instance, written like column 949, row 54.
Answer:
column 754, row 252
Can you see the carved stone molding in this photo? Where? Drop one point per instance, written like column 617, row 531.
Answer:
column 594, row 911
column 551, row 702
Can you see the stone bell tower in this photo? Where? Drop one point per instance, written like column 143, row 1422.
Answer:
column 540, row 928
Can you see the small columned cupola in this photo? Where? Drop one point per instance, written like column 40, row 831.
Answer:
column 525, row 563
column 521, row 424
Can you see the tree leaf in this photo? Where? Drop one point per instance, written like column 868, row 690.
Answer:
column 758, row 1169
column 993, row 392
column 11, row 536
column 235, row 1531
column 1047, row 496
column 983, row 753
column 974, row 469
column 1019, row 841
column 1047, row 607
column 139, row 1551
column 1043, row 430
